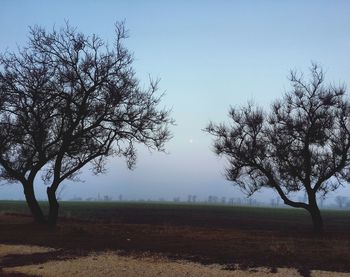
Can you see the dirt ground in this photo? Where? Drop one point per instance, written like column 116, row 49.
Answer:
column 113, row 264
column 92, row 248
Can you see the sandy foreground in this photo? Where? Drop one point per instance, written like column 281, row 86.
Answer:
column 112, row 264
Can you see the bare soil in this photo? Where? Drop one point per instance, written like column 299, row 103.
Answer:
column 232, row 248
column 111, row 264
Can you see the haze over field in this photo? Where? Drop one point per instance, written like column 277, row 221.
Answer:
column 209, row 55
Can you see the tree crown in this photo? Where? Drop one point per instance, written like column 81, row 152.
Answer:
column 302, row 143
column 67, row 99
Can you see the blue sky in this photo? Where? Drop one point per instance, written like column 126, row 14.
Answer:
column 209, row 55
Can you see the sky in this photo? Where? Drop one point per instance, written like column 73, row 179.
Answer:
column 209, row 55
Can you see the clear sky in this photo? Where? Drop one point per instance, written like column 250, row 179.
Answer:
column 209, row 55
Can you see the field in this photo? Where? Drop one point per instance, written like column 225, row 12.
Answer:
column 234, row 237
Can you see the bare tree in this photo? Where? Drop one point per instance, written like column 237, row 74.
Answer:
column 67, row 100
column 302, row 144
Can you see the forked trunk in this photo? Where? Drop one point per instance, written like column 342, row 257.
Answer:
column 33, row 204
column 53, row 207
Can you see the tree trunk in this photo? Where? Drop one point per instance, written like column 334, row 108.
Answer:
column 317, row 220
column 33, row 204
column 53, row 207
column 315, row 215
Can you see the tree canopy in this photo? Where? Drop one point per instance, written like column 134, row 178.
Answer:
column 301, row 144
column 67, row 100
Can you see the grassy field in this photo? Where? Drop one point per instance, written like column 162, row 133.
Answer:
column 187, row 214
column 248, row 236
